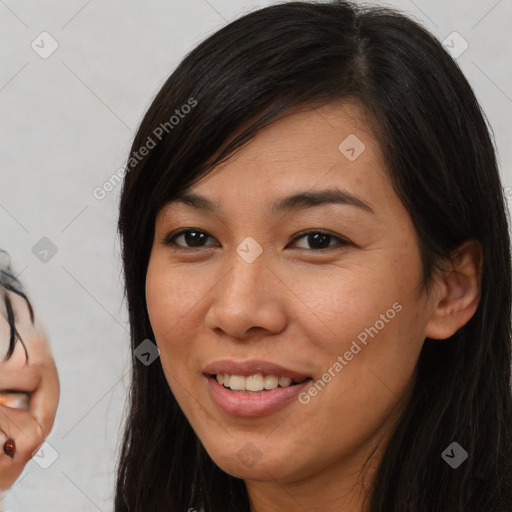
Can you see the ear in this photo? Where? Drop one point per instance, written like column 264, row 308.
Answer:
column 458, row 291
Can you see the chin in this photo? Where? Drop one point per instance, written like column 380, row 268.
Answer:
column 250, row 464
column 259, row 472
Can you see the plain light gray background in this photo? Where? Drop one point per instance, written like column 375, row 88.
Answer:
column 67, row 122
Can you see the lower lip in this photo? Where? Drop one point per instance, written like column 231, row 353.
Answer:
column 252, row 404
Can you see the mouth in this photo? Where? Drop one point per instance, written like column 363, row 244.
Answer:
column 254, row 387
column 255, row 384
column 257, row 400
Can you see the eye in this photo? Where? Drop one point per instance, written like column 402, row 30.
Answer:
column 191, row 236
column 196, row 238
column 319, row 240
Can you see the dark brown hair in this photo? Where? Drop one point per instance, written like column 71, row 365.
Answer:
column 10, row 283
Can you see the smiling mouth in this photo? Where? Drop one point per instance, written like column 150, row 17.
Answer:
column 254, row 384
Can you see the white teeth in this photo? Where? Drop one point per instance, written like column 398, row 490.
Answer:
column 237, row 382
column 285, row 381
column 271, row 382
column 253, row 383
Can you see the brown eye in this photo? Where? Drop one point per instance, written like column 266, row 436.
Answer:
column 319, row 240
column 191, row 238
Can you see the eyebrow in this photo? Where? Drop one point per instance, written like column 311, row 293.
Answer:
column 298, row 201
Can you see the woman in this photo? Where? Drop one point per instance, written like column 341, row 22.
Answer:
column 314, row 235
column 29, row 386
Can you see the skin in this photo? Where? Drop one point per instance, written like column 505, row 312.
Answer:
column 28, row 428
column 301, row 308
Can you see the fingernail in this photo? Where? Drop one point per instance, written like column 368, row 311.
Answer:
column 10, row 447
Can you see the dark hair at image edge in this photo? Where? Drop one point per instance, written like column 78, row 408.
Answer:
column 441, row 161
column 9, row 282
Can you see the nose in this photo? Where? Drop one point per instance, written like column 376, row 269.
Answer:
column 249, row 301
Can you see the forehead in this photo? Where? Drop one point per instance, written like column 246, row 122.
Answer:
column 329, row 147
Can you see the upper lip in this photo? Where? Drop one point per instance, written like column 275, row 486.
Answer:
column 251, row 367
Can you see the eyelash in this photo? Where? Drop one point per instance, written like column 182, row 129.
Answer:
column 169, row 240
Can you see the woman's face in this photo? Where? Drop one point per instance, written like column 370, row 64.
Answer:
column 255, row 288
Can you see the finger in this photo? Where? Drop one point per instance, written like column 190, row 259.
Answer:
column 44, row 399
column 20, row 426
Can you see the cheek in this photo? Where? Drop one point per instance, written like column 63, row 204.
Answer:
column 170, row 295
column 173, row 298
column 336, row 305
column 365, row 328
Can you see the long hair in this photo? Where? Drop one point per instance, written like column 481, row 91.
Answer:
column 9, row 282
column 441, row 161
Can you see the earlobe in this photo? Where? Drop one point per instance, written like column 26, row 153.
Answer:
column 458, row 292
